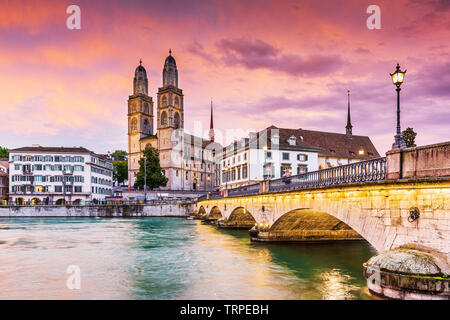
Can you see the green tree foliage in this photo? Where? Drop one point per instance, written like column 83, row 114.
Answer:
column 155, row 177
column 120, row 173
column 119, row 155
column 4, row 152
column 409, row 136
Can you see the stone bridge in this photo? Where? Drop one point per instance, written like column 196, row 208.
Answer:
column 379, row 212
column 401, row 201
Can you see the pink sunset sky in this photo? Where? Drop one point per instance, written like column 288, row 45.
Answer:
column 286, row 63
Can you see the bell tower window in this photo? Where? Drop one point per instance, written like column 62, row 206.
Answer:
column 164, row 118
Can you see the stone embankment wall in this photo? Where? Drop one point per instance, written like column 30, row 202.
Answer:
column 135, row 210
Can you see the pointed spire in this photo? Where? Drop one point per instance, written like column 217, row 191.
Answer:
column 348, row 127
column 170, row 51
column 140, row 61
column 211, row 124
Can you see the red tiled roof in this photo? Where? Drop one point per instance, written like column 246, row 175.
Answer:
column 331, row 144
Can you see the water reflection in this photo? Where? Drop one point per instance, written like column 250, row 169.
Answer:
column 160, row 258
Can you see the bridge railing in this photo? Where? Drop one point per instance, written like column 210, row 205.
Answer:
column 244, row 190
column 370, row 170
column 364, row 171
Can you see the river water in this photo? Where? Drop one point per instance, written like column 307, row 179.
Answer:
column 169, row 258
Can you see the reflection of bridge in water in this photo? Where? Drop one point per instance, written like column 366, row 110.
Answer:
column 402, row 200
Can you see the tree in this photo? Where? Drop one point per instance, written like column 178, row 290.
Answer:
column 409, row 136
column 4, row 152
column 119, row 155
column 155, row 177
column 120, row 173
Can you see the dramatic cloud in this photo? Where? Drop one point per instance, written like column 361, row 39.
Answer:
column 259, row 54
column 288, row 63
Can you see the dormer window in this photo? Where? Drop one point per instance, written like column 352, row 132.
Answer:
column 301, row 138
column 292, row 141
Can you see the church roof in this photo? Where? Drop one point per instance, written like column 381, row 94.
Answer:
column 331, row 144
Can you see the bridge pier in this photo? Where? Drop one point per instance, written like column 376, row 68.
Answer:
column 403, row 199
column 408, row 273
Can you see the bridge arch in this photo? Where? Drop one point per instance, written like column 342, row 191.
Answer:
column 311, row 225
column 215, row 213
column 240, row 217
column 201, row 211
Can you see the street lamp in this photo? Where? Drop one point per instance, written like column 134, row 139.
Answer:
column 397, row 78
column 208, row 178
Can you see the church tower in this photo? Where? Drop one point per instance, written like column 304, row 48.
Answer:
column 140, row 119
column 170, row 122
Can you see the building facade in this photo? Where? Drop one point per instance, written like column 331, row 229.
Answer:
column 4, row 180
column 272, row 152
column 57, row 174
column 189, row 162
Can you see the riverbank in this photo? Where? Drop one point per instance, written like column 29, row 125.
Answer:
column 122, row 210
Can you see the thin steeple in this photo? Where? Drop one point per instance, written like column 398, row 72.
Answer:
column 211, row 124
column 348, row 127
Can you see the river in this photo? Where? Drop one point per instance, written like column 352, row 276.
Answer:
column 169, row 258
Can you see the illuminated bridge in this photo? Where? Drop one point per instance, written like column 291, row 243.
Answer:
column 402, row 200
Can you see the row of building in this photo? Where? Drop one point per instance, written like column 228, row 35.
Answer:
column 55, row 175
column 197, row 164
column 191, row 163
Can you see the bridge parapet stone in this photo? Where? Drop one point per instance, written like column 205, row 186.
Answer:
column 419, row 162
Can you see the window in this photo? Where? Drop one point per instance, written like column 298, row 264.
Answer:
column 133, row 127
column 285, row 156
column 146, row 108
column 177, row 120
column 164, row 101
column 269, row 155
column 78, row 189
column 302, row 169
column 164, row 118
column 302, row 157
column 244, row 172
column 292, row 141
column 177, row 102
column 187, row 175
column 58, row 188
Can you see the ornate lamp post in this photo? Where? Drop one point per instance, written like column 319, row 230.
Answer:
column 397, row 78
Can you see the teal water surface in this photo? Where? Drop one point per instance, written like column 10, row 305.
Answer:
column 168, row 258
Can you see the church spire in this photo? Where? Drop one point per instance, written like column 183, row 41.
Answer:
column 211, row 125
column 348, row 127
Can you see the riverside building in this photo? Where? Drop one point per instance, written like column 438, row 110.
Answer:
column 57, row 174
column 272, row 152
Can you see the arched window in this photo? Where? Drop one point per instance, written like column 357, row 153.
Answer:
column 146, row 107
column 164, row 101
column 146, row 126
column 177, row 120
column 177, row 102
column 133, row 107
column 133, row 127
column 164, row 118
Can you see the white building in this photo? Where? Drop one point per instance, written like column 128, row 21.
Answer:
column 263, row 156
column 54, row 174
column 268, row 154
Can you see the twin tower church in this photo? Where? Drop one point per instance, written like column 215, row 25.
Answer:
column 189, row 162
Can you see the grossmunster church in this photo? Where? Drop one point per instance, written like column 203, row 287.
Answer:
column 189, row 162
